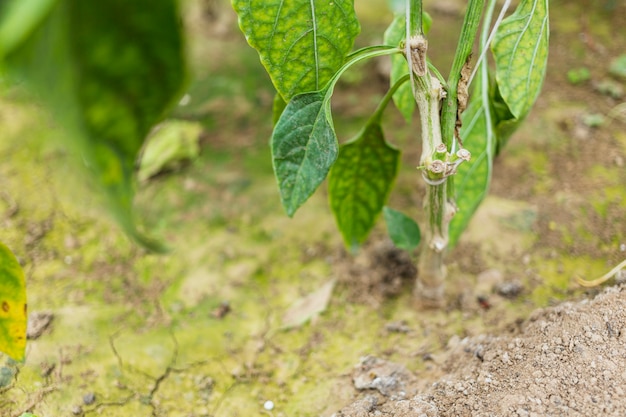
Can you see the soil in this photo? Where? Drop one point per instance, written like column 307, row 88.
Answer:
column 565, row 360
column 129, row 333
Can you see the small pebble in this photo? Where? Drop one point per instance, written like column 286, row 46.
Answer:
column 510, row 289
column 89, row 398
column 269, row 405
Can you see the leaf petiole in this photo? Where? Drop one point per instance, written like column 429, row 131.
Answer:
column 355, row 57
column 387, row 98
column 358, row 56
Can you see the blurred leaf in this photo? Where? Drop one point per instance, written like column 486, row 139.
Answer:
column 18, row 19
column 360, row 182
column 7, row 375
column 12, row 305
column 108, row 70
column 594, row 119
column 578, row 75
column 402, row 229
column 520, row 49
column 302, row 43
column 304, row 147
column 172, row 143
column 396, row 6
column 610, row 88
column 395, row 33
column 618, row 66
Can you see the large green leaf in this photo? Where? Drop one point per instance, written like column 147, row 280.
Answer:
column 12, row 305
column 403, row 231
column 304, row 147
column 108, row 70
column 520, row 49
column 302, row 43
column 360, row 182
column 395, row 33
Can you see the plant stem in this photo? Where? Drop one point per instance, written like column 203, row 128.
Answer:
column 461, row 57
column 415, row 17
column 449, row 111
column 438, row 134
column 432, row 271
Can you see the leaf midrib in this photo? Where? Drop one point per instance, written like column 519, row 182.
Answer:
column 314, row 21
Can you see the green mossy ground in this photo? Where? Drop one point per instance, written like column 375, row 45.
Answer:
column 143, row 332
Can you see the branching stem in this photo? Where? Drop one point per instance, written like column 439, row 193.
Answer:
column 438, row 160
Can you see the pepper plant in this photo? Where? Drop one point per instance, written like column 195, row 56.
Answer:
column 306, row 46
column 109, row 71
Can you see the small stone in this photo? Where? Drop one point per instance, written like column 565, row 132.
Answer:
column 89, row 398
column 510, row 289
column 222, row 310
column 397, row 327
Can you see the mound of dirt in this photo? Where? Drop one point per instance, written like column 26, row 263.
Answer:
column 567, row 360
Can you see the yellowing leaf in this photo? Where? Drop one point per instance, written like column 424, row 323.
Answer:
column 12, row 305
column 302, row 43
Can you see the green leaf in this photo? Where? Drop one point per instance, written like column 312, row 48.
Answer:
column 618, row 66
column 108, row 70
column 504, row 122
column 18, row 19
column 304, row 147
column 12, row 305
column 360, row 182
column 172, row 143
column 395, row 33
column 578, row 75
column 473, row 178
column 520, row 49
column 402, row 229
column 278, row 106
column 302, row 43
column 304, row 144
